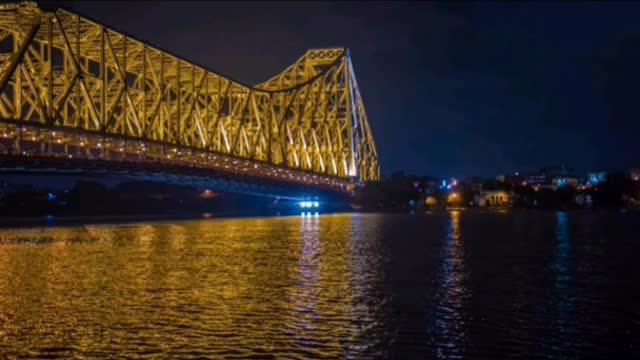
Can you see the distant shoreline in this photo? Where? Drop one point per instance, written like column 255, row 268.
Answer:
column 44, row 222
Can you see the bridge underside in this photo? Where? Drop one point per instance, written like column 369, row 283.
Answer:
column 73, row 89
column 32, row 150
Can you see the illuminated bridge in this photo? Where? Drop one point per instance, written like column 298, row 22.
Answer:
column 76, row 95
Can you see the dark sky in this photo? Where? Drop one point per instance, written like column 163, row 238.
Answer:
column 454, row 89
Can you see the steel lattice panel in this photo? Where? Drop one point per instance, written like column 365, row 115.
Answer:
column 68, row 82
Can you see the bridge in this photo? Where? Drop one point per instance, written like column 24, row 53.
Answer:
column 75, row 94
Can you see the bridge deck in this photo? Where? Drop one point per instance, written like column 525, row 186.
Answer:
column 36, row 148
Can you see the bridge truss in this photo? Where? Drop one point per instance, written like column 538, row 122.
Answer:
column 71, row 87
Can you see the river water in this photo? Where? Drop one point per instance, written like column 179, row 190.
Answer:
column 458, row 284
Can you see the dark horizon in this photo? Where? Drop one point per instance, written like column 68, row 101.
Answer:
column 459, row 89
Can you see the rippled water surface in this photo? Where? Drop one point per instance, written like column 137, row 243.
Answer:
column 443, row 285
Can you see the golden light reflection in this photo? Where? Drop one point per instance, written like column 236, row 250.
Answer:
column 284, row 286
column 448, row 331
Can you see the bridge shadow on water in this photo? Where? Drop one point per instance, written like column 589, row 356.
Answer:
column 47, row 193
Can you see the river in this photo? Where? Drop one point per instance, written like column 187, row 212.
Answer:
column 458, row 284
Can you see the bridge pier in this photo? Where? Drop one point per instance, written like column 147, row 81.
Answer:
column 18, row 141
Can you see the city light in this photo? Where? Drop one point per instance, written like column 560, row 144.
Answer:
column 207, row 194
column 453, row 198
column 309, row 204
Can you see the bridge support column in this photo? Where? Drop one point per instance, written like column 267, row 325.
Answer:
column 102, row 148
column 49, row 144
column 18, row 142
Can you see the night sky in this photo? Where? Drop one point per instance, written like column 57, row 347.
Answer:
column 456, row 89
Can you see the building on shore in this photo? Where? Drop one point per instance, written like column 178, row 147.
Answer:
column 430, row 201
column 594, row 178
column 494, row 198
column 559, row 182
column 537, row 178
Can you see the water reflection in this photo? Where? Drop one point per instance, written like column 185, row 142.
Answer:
column 236, row 287
column 341, row 286
column 563, row 293
column 449, row 332
column 305, row 297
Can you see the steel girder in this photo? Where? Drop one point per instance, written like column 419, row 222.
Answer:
column 64, row 72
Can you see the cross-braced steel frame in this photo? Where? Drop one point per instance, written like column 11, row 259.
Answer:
column 70, row 85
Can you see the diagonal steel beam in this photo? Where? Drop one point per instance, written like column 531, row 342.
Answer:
column 17, row 56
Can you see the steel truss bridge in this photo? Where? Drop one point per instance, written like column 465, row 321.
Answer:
column 73, row 89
